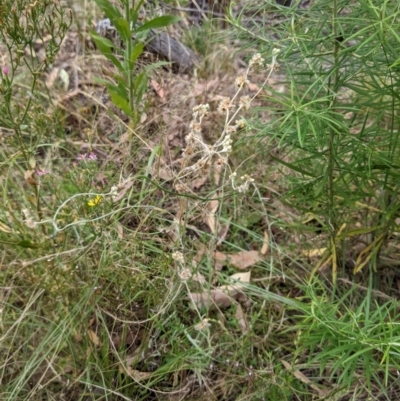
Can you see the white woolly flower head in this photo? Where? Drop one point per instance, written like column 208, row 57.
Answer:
column 256, row 60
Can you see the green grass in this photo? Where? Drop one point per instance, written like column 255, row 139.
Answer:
column 102, row 261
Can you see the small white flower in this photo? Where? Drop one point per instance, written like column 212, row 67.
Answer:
column 30, row 223
column 184, row 274
column 114, row 191
column 201, row 109
column 275, row 52
column 26, row 213
column 227, row 144
column 178, row 257
column 240, row 124
column 204, row 324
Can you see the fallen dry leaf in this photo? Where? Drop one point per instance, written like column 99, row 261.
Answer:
column 241, row 318
column 201, row 88
column 241, row 260
column 159, row 90
column 253, row 87
column 51, row 77
column 209, row 219
column 236, row 280
column 223, row 296
column 220, row 259
column 244, row 259
column 212, row 298
column 120, row 230
column 222, row 233
column 123, row 188
column 198, row 182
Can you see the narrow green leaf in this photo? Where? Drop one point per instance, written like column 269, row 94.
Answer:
column 159, row 22
column 105, row 46
column 101, row 81
column 135, row 13
column 156, row 152
column 122, row 27
column 293, row 167
column 140, row 86
column 299, row 130
column 136, row 52
column 122, row 82
column 120, row 89
column 154, row 66
column 109, row 10
column 104, row 43
column 120, row 102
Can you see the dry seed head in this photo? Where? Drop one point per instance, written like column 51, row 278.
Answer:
column 225, row 105
column 204, row 166
column 274, row 66
column 241, row 81
column 188, row 151
column 221, row 161
column 201, row 109
column 256, row 60
column 184, row 274
column 195, row 127
column 230, row 129
column 245, row 102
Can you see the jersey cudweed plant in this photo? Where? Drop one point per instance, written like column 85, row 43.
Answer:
column 127, row 93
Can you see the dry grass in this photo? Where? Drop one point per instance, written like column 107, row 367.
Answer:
column 152, row 272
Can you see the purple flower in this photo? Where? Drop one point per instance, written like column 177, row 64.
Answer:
column 87, row 156
column 5, row 70
column 39, row 172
